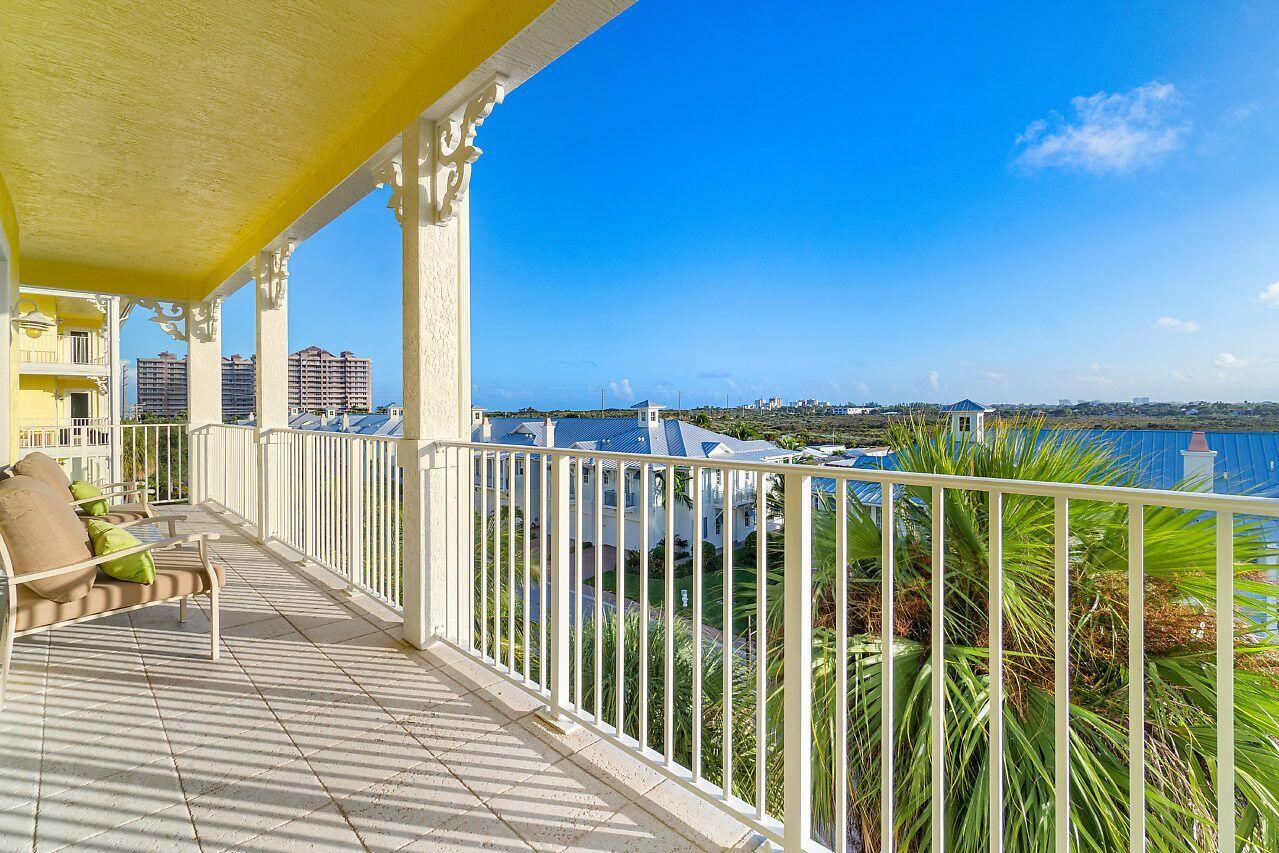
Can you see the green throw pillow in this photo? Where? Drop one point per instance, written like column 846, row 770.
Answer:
column 81, row 490
column 107, row 539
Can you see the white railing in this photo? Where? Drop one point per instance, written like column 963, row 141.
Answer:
column 35, row 434
column 742, row 493
column 83, row 350
column 808, row 733
column 225, row 468
column 157, row 453
column 336, row 499
column 97, row 450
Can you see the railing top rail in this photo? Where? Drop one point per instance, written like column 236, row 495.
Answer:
column 327, row 434
column 230, row 426
column 1203, row 501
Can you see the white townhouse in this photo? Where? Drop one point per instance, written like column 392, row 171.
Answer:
column 647, row 433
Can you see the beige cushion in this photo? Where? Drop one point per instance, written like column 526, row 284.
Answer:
column 44, row 469
column 42, row 532
column 178, row 572
column 121, row 513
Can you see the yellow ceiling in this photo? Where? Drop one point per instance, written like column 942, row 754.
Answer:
column 153, row 147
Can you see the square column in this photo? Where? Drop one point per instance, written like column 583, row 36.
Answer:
column 437, row 400
column 204, row 393
column 115, row 388
column 271, row 371
column 429, row 188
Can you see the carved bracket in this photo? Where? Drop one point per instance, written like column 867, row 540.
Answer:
column 101, row 382
column 203, row 320
column 392, row 175
column 455, row 149
column 273, row 274
column 172, row 319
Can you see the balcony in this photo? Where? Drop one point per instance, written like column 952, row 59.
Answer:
column 65, row 437
column 522, row 603
column 318, row 728
column 64, row 354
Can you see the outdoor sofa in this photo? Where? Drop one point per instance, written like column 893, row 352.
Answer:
column 49, row 575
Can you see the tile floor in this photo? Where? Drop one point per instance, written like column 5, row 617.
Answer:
column 317, row 730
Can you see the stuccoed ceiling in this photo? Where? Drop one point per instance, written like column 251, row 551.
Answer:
column 153, row 147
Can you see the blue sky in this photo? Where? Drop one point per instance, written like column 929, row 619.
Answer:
column 1005, row 201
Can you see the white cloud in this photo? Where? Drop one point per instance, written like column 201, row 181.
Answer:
column 1116, row 132
column 1270, row 295
column 992, row 375
column 621, row 388
column 932, row 380
column 1094, row 375
column 1229, row 361
column 1173, row 324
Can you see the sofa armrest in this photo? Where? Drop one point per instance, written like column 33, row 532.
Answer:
column 123, row 484
column 119, row 493
column 164, row 544
column 156, row 519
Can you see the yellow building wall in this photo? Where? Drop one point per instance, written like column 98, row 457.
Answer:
column 43, row 399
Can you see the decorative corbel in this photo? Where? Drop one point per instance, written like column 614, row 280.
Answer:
column 391, row 174
column 101, row 382
column 204, row 318
column 273, row 274
column 455, row 149
column 172, row 319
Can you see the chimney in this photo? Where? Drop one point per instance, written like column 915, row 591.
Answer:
column 548, row 429
column 486, row 430
column 1197, row 464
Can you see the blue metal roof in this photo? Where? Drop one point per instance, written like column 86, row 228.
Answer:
column 667, row 437
column 1246, row 462
column 966, row 405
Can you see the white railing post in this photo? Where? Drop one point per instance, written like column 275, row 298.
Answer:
column 355, row 511
column 555, row 713
column 798, row 659
column 264, row 484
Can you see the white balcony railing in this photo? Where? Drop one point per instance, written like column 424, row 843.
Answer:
column 50, row 349
column 35, row 434
column 802, row 733
column 742, row 494
column 96, row 449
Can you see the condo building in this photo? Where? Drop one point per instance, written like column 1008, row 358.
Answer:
column 318, row 380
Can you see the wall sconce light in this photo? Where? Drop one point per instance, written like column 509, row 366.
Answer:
column 32, row 320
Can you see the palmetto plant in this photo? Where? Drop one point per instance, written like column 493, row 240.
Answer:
column 1179, row 672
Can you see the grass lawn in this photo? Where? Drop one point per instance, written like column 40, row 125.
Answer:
column 712, row 602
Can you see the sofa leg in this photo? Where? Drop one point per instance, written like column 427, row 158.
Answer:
column 6, row 655
column 182, row 609
column 214, row 640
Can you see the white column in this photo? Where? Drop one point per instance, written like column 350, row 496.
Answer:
column 433, row 356
column 435, row 166
column 271, row 371
column 115, row 389
column 8, row 370
column 204, row 391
